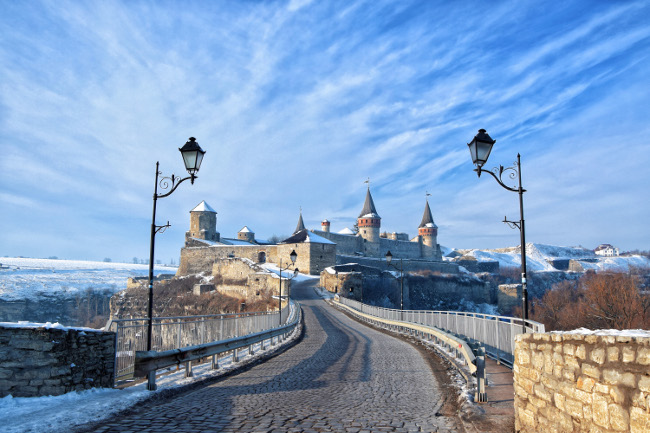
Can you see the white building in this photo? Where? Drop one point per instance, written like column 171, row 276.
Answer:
column 606, row 250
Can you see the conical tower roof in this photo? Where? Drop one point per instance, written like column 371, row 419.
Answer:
column 369, row 210
column 427, row 218
column 300, row 226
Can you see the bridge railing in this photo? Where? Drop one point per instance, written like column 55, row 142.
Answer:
column 496, row 333
column 183, row 331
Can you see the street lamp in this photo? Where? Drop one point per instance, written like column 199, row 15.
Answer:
column 480, row 148
column 389, row 259
column 192, row 158
column 293, row 256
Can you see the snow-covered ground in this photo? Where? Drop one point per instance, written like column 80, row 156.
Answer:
column 538, row 256
column 24, row 278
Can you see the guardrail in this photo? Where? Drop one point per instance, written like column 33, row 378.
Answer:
column 146, row 363
column 177, row 332
column 496, row 333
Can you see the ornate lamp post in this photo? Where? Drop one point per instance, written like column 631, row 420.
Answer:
column 389, row 259
column 293, row 256
column 480, row 148
column 192, row 158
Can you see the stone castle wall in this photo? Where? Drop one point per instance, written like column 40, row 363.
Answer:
column 342, row 282
column 195, row 260
column 241, row 277
column 345, row 244
column 582, row 383
column 409, row 266
column 49, row 361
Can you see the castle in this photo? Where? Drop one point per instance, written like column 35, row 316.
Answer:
column 316, row 249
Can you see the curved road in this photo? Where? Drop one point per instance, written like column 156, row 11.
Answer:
column 342, row 377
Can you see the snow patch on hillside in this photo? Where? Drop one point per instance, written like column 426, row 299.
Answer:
column 24, row 278
column 538, row 257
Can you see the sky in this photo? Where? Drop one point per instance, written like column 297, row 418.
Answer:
column 297, row 103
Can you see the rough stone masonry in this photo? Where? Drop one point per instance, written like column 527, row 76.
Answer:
column 39, row 361
column 582, row 383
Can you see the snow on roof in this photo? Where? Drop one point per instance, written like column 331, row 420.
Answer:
column 346, row 231
column 245, row 230
column 306, row 236
column 203, row 207
column 315, row 239
column 228, row 241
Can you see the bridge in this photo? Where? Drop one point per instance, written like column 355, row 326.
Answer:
column 344, row 376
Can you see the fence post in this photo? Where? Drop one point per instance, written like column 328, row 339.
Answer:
column 481, row 394
column 188, row 369
column 151, row 381
column 215, row 362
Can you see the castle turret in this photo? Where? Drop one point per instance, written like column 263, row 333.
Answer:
column 325, row 225
column 369, row 223
column 301, row 224
column 246, row 234
column 203, row 223
column 428, row 231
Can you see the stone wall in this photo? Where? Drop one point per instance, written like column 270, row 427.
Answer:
column 409, row 265
column 39, row 361
column 241, row 277
column 508, row 297
column 582, row 383
column 195, row 260
column 345, row 244
column 345, row 283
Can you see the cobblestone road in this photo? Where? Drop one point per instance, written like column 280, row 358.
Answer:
column 342, row 377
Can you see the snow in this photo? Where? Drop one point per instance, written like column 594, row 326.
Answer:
column 315, row 239
column 346, row 231
column 538, row 256
column 245, row 230
column 203, row 207
column 47, row 325
column 608, row 332
column 286, row 273
column 35, row 279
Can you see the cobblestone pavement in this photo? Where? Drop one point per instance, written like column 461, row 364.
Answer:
column 342, row 377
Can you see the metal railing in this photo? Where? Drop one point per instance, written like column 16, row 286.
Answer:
column 183, row 331
column 496, row 333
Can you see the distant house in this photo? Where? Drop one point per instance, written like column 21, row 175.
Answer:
column 606, row 250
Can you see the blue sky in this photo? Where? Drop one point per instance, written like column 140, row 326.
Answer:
column 297, row 103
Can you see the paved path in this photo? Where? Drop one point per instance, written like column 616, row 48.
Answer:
column 342, row 377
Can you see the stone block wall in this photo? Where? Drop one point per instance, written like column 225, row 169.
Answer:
column 39, row 361
column 508, row 297
column 195, row 260
column 342, row 282
column 582, row 383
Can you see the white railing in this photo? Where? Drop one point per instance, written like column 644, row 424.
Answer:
column 183, row 331
column 496, row 333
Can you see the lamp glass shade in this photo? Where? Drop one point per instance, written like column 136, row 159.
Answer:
column 389, row 257
column 192, row 155
column 293, row 256
column 480, row 147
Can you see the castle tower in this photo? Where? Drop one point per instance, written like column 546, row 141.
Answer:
column 203, row 223
column 325, row 225
column 369, row 223
column 246, row 234
column 428, row 231
column 301, row 224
